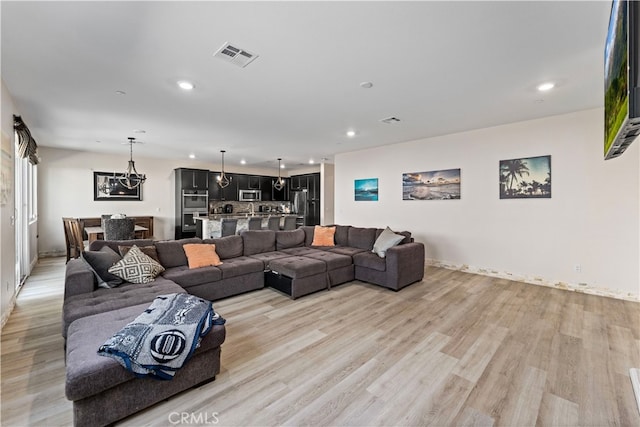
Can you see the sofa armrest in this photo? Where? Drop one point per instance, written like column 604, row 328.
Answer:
column 78, row 279
column 405, row 264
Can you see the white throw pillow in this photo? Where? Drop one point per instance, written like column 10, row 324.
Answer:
column 386, row 240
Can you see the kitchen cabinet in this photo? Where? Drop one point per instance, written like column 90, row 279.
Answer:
column 280, row 195
column 229, row 193
column 309, row 182
column 266, row 188
column 192, row 179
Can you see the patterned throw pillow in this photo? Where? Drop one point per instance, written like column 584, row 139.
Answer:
column 136, row 267
column 201, row 255
column 323, row 236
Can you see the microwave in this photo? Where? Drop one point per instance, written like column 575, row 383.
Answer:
column 250, row 196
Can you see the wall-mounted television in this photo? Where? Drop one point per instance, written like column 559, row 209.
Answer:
column 621, row 84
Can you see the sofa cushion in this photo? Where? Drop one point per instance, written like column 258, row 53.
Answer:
column 228, row 246
column 96, row 245
column 346, row 250
column 406, row 234
column 234, row 267
column 258, row 241
column 149, row 251
column 298, row 267
column 362, row 238
column 136, row 267
column 370, row 260
column 267, row 257
column 289, row 239
column 100, row 262
column 386, row 240
column 88, row 373
column 308, row 234
column 301, row 251
column 201, row 255
column 103, row 300
column 342, row 235
column 171, row 253
column 331, row 259
column 185, row 277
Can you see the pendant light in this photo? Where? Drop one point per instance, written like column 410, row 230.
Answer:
column 279, row 184
column 131, row 178
column 223, row 181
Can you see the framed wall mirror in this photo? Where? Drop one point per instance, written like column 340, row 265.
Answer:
column 106, row 186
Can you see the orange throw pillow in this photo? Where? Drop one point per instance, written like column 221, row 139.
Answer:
column 201, row 255
column 323, row 236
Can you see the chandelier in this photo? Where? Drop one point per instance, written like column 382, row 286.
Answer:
column 223, row 181
column 279, row 184
column 131, row 178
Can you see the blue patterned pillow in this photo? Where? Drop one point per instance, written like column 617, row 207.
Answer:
column 136, row 267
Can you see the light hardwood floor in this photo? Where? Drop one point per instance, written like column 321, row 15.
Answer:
column 455, row 349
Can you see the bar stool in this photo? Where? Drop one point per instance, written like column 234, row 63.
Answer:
column 228, row 226
column 289, row 223
column 255, row 223
column 274, row 223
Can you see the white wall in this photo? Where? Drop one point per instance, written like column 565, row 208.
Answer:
column 7, row 237
column 65, row 188
column 327, row 197
column 592, row 219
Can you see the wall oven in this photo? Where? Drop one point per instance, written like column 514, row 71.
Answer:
column 250, row 195
column 195, row 201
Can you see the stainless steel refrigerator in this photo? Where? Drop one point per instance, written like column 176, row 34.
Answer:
column 307, row 210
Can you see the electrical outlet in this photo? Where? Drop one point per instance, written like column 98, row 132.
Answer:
column 577, row 268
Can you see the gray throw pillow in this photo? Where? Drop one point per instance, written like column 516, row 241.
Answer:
column 100, row 262
column 386, row 240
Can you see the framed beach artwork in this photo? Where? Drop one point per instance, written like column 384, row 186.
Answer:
column 366, row 190
column 526, row 178
column 432, row 185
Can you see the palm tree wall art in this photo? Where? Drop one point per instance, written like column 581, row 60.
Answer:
column 526, row 178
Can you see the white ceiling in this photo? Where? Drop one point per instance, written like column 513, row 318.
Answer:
column 440, row 67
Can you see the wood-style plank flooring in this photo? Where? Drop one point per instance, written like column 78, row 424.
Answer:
column 455, row 349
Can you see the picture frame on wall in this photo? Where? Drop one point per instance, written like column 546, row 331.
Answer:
column 431, row 185
column 106, row 186
column 366, row 190
column 525, row 178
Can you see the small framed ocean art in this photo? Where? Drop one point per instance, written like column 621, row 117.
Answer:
column 366, row 190
column 433, row 185
column 526, row 178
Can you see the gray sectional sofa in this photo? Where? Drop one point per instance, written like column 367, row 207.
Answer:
column 285, row 260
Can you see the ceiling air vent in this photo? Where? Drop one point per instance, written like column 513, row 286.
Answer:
column 235, row 55
column 390, row 120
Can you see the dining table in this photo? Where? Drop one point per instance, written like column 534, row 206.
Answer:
column 97, row 232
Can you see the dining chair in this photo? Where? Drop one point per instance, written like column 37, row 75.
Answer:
column 289, row 223
column 102, row 218
column 69, row 238
column 119, row 228
column 274, row 223
column 255, row 223
column 228, row 227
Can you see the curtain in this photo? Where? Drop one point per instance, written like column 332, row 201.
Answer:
column 27, row 147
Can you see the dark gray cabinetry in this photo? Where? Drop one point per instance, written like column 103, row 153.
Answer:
column 309, row 185
column 280, row 195
column 192, row 179
column 229, row 193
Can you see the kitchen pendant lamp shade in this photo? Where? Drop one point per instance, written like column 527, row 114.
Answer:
column 131, row 178
column 279, row 184
column 223, row 181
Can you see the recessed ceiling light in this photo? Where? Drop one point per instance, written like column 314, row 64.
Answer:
column 192, row 156
column 121, row 92
column 311, row 161
column 366, row 85
column 139, row 131
column 281, row 166
column 243, row 162
column 351, row 133
column 183, row 84
column 98, row 141
column 546, row 86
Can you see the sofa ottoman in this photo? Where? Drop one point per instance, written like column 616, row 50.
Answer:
column 297, row 276
column 103, row 391
column 339, row 267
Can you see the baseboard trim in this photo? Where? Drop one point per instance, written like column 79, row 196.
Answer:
column 536, row 280
column 5, row 316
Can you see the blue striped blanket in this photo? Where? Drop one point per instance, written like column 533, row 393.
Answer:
column 161, row 339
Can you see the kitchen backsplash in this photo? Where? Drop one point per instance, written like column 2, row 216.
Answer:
column 243, row 207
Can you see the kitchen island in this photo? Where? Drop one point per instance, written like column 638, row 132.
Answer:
column 211, row 226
